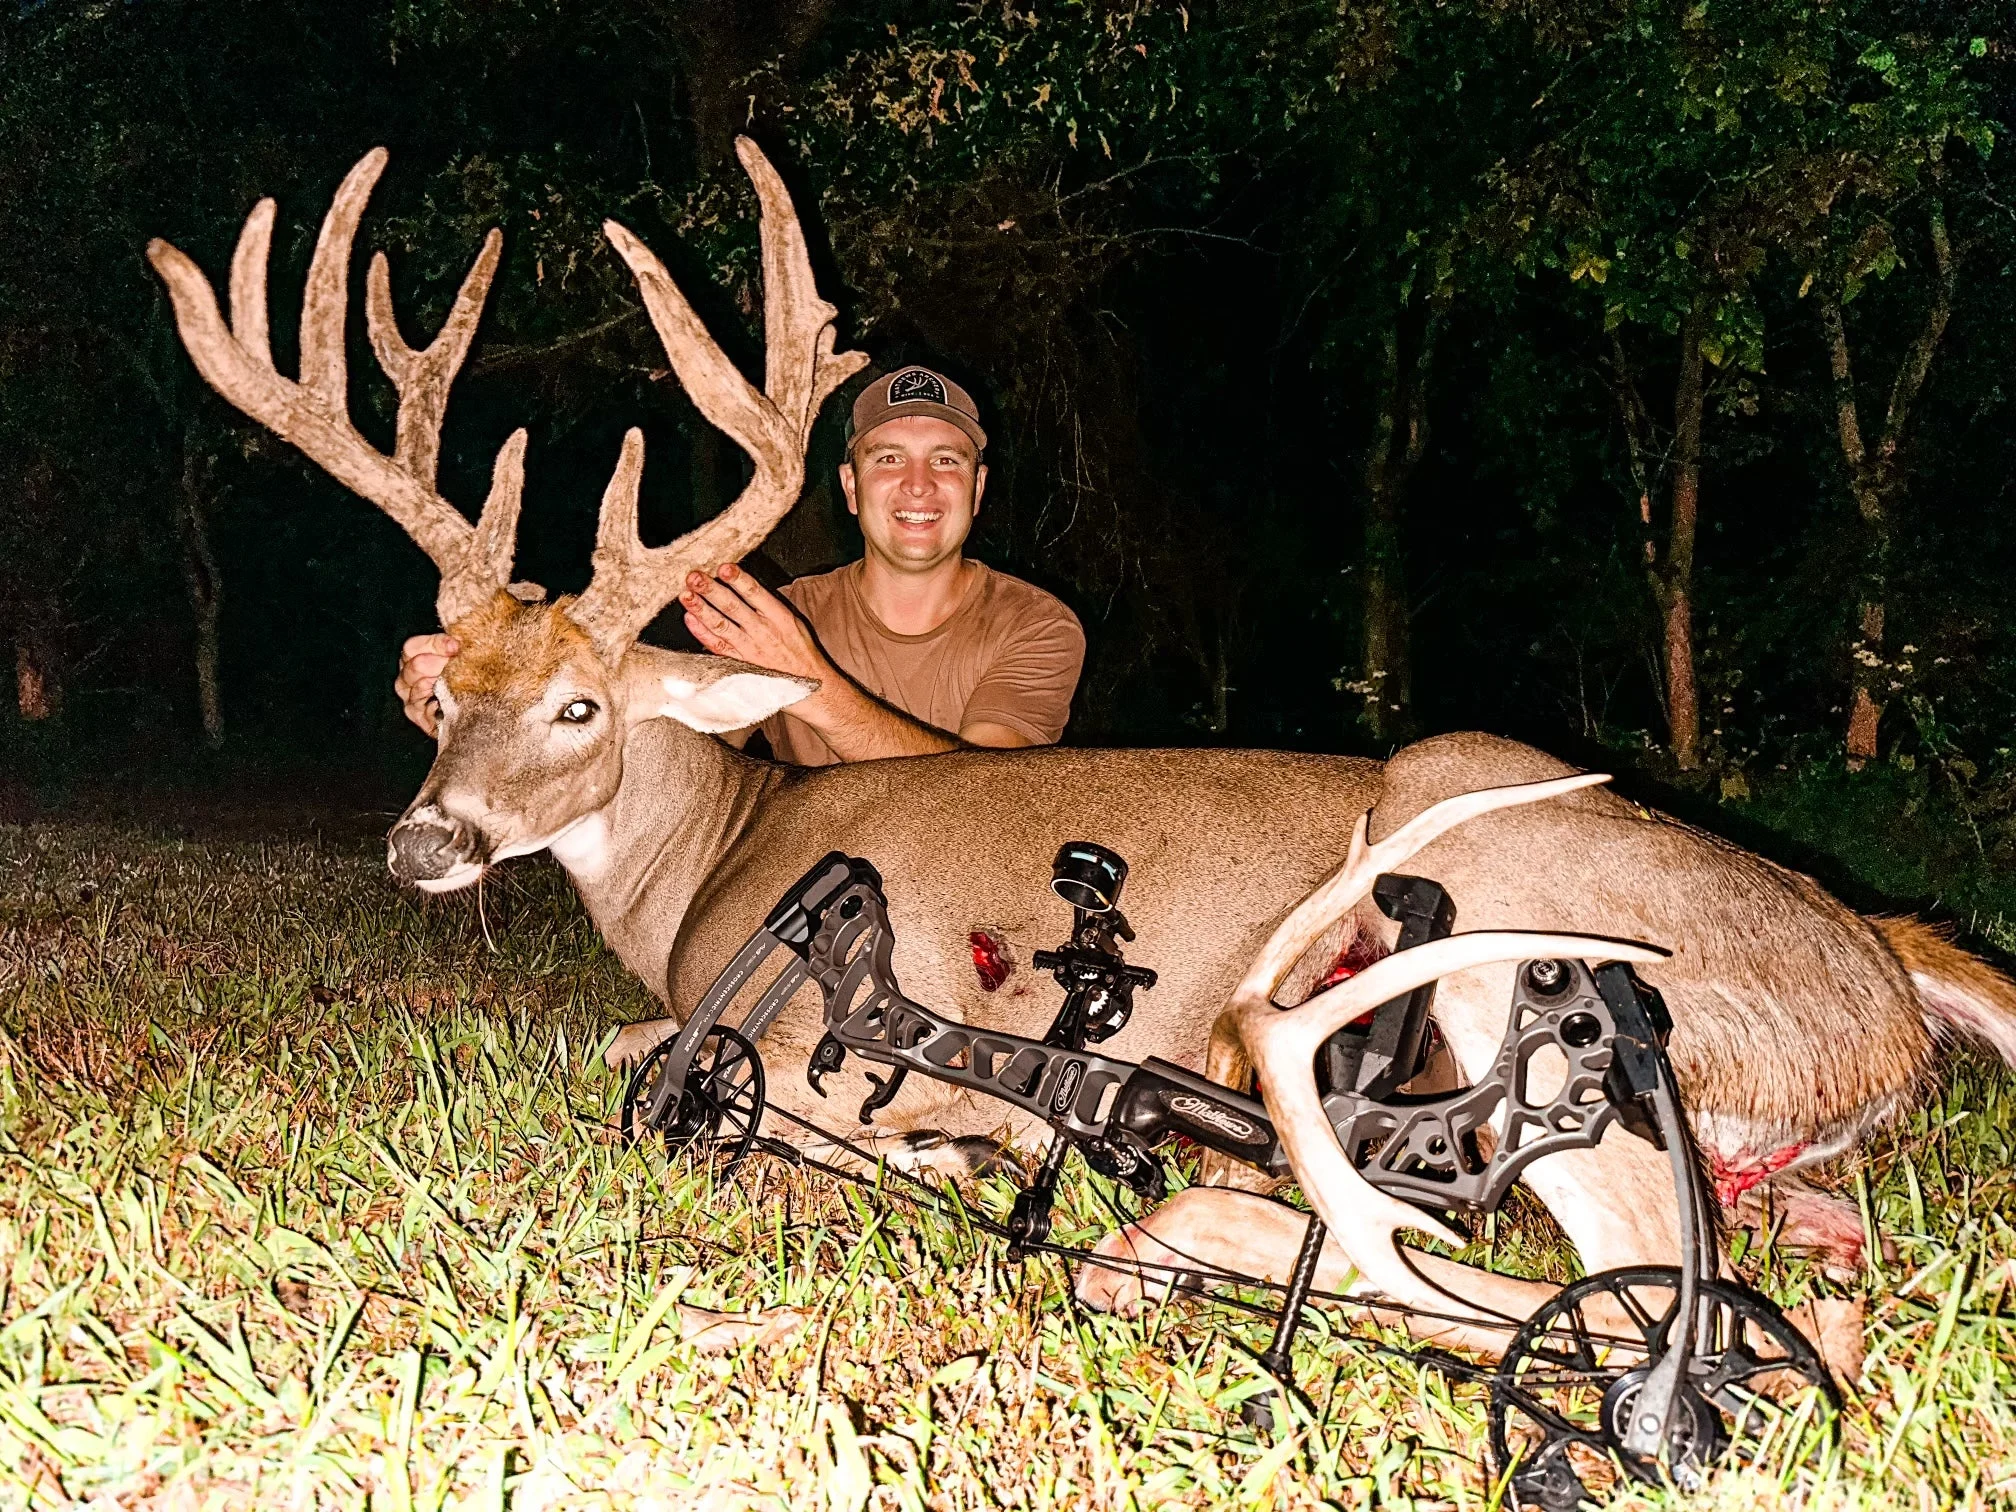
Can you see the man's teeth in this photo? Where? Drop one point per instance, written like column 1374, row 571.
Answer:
column 916, row 517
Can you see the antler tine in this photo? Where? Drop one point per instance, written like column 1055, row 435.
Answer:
column 325, row 302
column 1282, row 1046
column 248, row 282
column 1225, row 1060
column 1365, row 862
column 423, row 378
column 800, row 368
column 632, row 582
column 312, row 413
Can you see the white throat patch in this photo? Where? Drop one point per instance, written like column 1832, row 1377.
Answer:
column 583, row 847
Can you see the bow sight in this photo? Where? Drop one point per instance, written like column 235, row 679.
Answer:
column 1681, row 1366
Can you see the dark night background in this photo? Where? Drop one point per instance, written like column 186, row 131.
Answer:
column 1337, row 358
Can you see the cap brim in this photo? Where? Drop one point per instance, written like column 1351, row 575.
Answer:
column 927, row 409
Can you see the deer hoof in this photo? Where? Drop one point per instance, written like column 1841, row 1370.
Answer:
column 1835, row 1325
column 1215, row 1170
column 930, row 1151
column 1120, row 1288
column 635, row 1041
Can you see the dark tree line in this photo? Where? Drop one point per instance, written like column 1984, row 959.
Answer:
column 1602, row 371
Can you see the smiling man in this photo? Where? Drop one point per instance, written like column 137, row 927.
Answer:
column 917, row 647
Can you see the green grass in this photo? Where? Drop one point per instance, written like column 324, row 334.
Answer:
column 309, row 1197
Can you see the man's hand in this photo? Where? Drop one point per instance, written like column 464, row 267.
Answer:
column 732, row 614
column 421, row 660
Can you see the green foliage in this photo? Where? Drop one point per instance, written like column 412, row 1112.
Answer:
column 1679, row 148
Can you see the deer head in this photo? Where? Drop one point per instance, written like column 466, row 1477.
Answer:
column 536, row 708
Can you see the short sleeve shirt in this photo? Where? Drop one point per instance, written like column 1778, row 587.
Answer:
column 1010, row 654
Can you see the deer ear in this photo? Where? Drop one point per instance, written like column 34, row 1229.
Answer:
column 712, row 694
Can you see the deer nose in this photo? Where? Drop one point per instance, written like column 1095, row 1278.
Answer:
column 425, row 850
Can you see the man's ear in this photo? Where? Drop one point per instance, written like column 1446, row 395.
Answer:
column 712, row 694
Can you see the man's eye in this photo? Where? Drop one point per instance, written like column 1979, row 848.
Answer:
column 580, row 711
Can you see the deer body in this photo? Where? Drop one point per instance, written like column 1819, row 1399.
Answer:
column 1798, row 1025
column 1794, row 1020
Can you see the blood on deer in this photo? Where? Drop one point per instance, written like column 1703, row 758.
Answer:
column 990, row 959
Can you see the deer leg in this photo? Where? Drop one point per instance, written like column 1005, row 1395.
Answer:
column 917, row 1152
column 1616, row 1201
column 1796, row 1216
column 635, row 1041
column 1204, row 1229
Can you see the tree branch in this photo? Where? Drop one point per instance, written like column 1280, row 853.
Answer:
column 1918, row 360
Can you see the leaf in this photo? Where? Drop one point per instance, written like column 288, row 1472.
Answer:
column 1257, row 1484
column 956, row 1372
column 229, row 1361
column 851, row 1482
column 635, row 1340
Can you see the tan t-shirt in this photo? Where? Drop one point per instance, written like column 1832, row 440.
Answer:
column 1009, row 655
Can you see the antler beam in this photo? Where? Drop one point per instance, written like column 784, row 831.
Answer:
column 312, row 412
column 1281, row 1045
column 632, row 582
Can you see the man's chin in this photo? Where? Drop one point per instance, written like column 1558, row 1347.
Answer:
column 915, row 555
column 467, row 874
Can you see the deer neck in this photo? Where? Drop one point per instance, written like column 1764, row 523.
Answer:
column 637, row 861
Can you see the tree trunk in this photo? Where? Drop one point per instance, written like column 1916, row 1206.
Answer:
column 1865, row 714
column 1673, row 584
column 205, row 587
column 1878, row 481
column 38, row 666
column 1399, row 439
column 721, row 44
column 34, row 688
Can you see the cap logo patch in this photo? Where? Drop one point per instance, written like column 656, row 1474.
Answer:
column 916, row 383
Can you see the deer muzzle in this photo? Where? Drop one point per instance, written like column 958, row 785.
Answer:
column 430, row 846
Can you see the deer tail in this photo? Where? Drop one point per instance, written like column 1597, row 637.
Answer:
column 1958, row 992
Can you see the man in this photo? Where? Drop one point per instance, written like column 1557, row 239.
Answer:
column 917, row 647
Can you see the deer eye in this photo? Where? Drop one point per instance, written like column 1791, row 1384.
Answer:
column 579, row 711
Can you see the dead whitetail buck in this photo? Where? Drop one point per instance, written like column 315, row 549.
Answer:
column 559, row 732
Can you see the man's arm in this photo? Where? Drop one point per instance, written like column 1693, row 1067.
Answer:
column 984, row 732
column 732, row 614
column 1024, row 697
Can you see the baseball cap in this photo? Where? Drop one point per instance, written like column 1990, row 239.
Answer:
column 915, row 391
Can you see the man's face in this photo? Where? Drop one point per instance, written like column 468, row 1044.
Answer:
column 915, row 483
